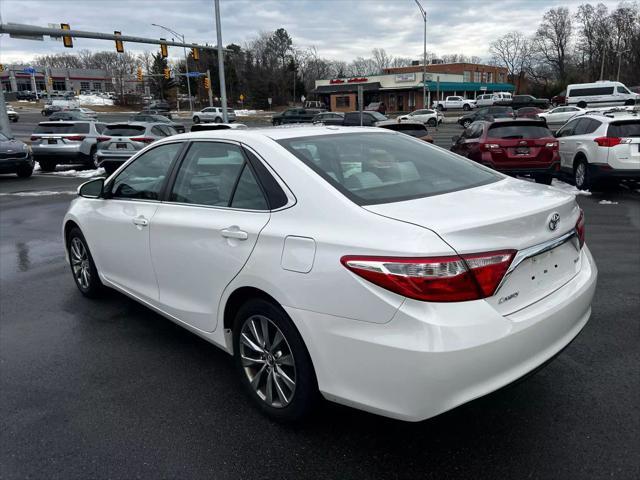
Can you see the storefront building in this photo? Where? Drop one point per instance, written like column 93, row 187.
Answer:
column 17, row 78
column 400, row 89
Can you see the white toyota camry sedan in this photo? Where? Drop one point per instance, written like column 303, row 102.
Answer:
column 355, row 264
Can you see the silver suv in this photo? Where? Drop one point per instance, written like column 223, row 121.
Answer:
column 58, row 143
column 120, row 141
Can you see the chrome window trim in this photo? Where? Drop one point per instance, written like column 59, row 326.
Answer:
column 538, row 249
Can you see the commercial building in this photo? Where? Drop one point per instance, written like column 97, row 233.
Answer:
column 17, row 78
column 400, row 89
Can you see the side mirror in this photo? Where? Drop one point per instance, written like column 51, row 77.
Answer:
column 92, row 188
column 455, row 139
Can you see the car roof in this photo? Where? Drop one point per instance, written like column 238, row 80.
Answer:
column 608, row 117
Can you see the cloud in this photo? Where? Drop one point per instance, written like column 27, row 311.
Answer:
column 339, row 29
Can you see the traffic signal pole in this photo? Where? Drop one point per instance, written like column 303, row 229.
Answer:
column 209, row 89
column 223, row 87
column 4, row 118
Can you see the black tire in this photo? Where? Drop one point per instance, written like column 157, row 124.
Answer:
column 196, row 119
column 543, row 178
column 218, row 120
column 304, row 395
column 466, row 107
column 581, row 175
column 466, row 124
column 43, row 113
column 25, row 171
column 94, row 287
column 47, row 165
column 440, row 107
column 630, row 102
column 14, row 120
column 89, row 160
column 431, row 122
column 582, row 105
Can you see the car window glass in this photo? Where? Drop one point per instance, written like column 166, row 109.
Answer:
column 623, row 90
column 625, row 128
column 144, row 177
column 372, row 168
column 158, row 131
column 582, row 127
column 567, row 130
column 517, row 130
column 208, row 174
column 248, row 194
column 474, row 131
column 100, row 127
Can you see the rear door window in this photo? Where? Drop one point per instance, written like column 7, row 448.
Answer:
column 515, row 131
column 568, row 129
column 628, row 128
column 371, row 168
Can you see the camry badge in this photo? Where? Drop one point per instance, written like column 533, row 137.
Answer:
column 554, row 220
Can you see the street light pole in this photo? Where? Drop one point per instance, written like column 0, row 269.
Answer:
column 223, row 87
column 424, row 56
column 186, row 62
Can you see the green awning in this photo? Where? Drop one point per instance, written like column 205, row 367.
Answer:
column 469, row 87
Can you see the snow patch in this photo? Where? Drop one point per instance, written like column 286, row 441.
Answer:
column 607, row 202
column 74, row 173
column 565, row 187
column 244, row 113
column 37, row 194
column 94, row 100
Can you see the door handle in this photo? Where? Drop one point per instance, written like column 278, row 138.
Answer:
column 140, row 221
column 578, row 143
column 234, row 233
column 562, row 143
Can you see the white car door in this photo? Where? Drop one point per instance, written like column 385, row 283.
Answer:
column 455, row 102
column 117, row 228
column 566, row 146
column 203, row 235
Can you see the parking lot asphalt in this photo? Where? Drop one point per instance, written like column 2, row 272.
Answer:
column 109, row 389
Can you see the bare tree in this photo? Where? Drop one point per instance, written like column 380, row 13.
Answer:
column 380, row 59
column 552, row 40
column 512, row 51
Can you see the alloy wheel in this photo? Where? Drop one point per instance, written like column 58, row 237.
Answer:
column 581, row 171
column 267, row 361
column 80, row 263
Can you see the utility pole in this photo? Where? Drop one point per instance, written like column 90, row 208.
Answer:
column 424, row 57
column 210, row 92
column 223, row 87
column 4, row 118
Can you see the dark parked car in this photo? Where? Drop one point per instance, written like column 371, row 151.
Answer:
column 153, row 118
column 413, row 129
column 155, row 111
column 369, row 119
column 295, row 115
column 69, row 115
column 528, row 112
column 26, row 95
column 514, row 147
column 560, row 99
column 15, row 157
column 379, row 107
column 49, row 109
column 486, row 113
column 329, row 118
column 519, row 101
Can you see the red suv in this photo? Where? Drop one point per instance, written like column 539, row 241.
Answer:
column 515, row 147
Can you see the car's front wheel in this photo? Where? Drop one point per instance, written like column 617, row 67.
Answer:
column 25, row 171
column 466, row 107
column 82, row 265
column 196, row 119
column 273, row 362
column 431, row 122
column 218, row 120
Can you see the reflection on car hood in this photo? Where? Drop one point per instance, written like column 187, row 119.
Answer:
column 11, row 146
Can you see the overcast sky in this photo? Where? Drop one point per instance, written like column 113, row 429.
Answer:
column 339, row 29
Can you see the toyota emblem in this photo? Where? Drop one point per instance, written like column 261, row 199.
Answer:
column 554, row 220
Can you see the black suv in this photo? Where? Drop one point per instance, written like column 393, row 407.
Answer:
column 486, row 113
column 369, row 119
column 295, row 115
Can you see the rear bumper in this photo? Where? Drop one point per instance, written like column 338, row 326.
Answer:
column 549, row 169
column 433, row 357
column 63, row 155
column 605, row 171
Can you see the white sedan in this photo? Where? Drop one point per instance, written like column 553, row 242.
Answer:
column 426, row 116
column 560, row 115
column 366, row 267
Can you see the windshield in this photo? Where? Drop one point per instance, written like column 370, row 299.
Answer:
column 371, row 168
column 515, row 131
column 629, row 128
column 123, row 130
column 378, row 116
column 62, row 128
column 3, row 137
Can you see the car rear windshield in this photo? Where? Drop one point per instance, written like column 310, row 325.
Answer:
column 408, row 129
column 371, row 168
column 124, row 130
column 59, row 127
column 515, row 131
column 627, row 128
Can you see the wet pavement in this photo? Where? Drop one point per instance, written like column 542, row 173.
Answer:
column 108, row 389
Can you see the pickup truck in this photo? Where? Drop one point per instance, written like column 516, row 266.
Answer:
column 453, row 103
column 295, row 115
column 520, row 101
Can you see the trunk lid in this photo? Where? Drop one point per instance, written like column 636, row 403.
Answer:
column 523, row 153
column 509, row 214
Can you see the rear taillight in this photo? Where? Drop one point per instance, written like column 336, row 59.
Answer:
column 77, row 138
column 143, row 139
column 551, row 144
column 34, row 138
column 103, row 139
column 580, row 227
column 611, row 141
column 435, row 279
column 490, row 146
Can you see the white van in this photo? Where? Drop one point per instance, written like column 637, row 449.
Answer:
column 600, row 94
column 489, row 99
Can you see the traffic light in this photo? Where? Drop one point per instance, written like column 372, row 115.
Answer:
column 1, row 67
column 50, row 81
column 139, row 75
column 119, row 45
column 207, row 83
column 164, row 51
column 195, row 54
column 167, row 73
column 66, row 40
